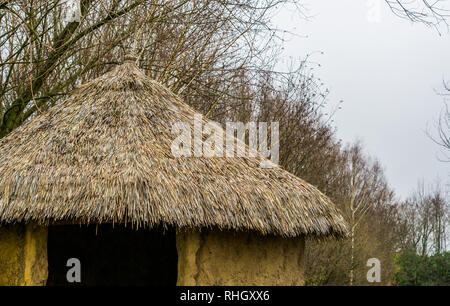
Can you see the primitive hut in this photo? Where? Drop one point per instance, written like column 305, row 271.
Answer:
column 94, row 179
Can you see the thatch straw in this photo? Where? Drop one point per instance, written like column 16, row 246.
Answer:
column 103, row 155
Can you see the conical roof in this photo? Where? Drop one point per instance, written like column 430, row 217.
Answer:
column 104, row 155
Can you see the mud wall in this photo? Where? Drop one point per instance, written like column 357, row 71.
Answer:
column 243, row 258
column 23, row 255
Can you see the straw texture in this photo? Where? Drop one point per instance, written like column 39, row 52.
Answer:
column 104, row 155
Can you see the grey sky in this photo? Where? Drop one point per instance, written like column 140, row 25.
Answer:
column 387, row 73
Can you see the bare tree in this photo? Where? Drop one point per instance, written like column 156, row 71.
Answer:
column 424, row 221
column 197, row 48
column 443, row 131
column 431, row 13
column 366, row 187
column 364, row 197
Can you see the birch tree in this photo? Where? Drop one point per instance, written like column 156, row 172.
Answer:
column 366, row 188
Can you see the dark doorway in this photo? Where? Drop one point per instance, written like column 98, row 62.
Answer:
column 112, row 256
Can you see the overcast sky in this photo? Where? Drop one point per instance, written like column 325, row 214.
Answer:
column 386, row 73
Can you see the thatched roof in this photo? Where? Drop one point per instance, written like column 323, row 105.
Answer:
column 104, row 155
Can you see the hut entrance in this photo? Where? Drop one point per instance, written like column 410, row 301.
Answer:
column 111, row 255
